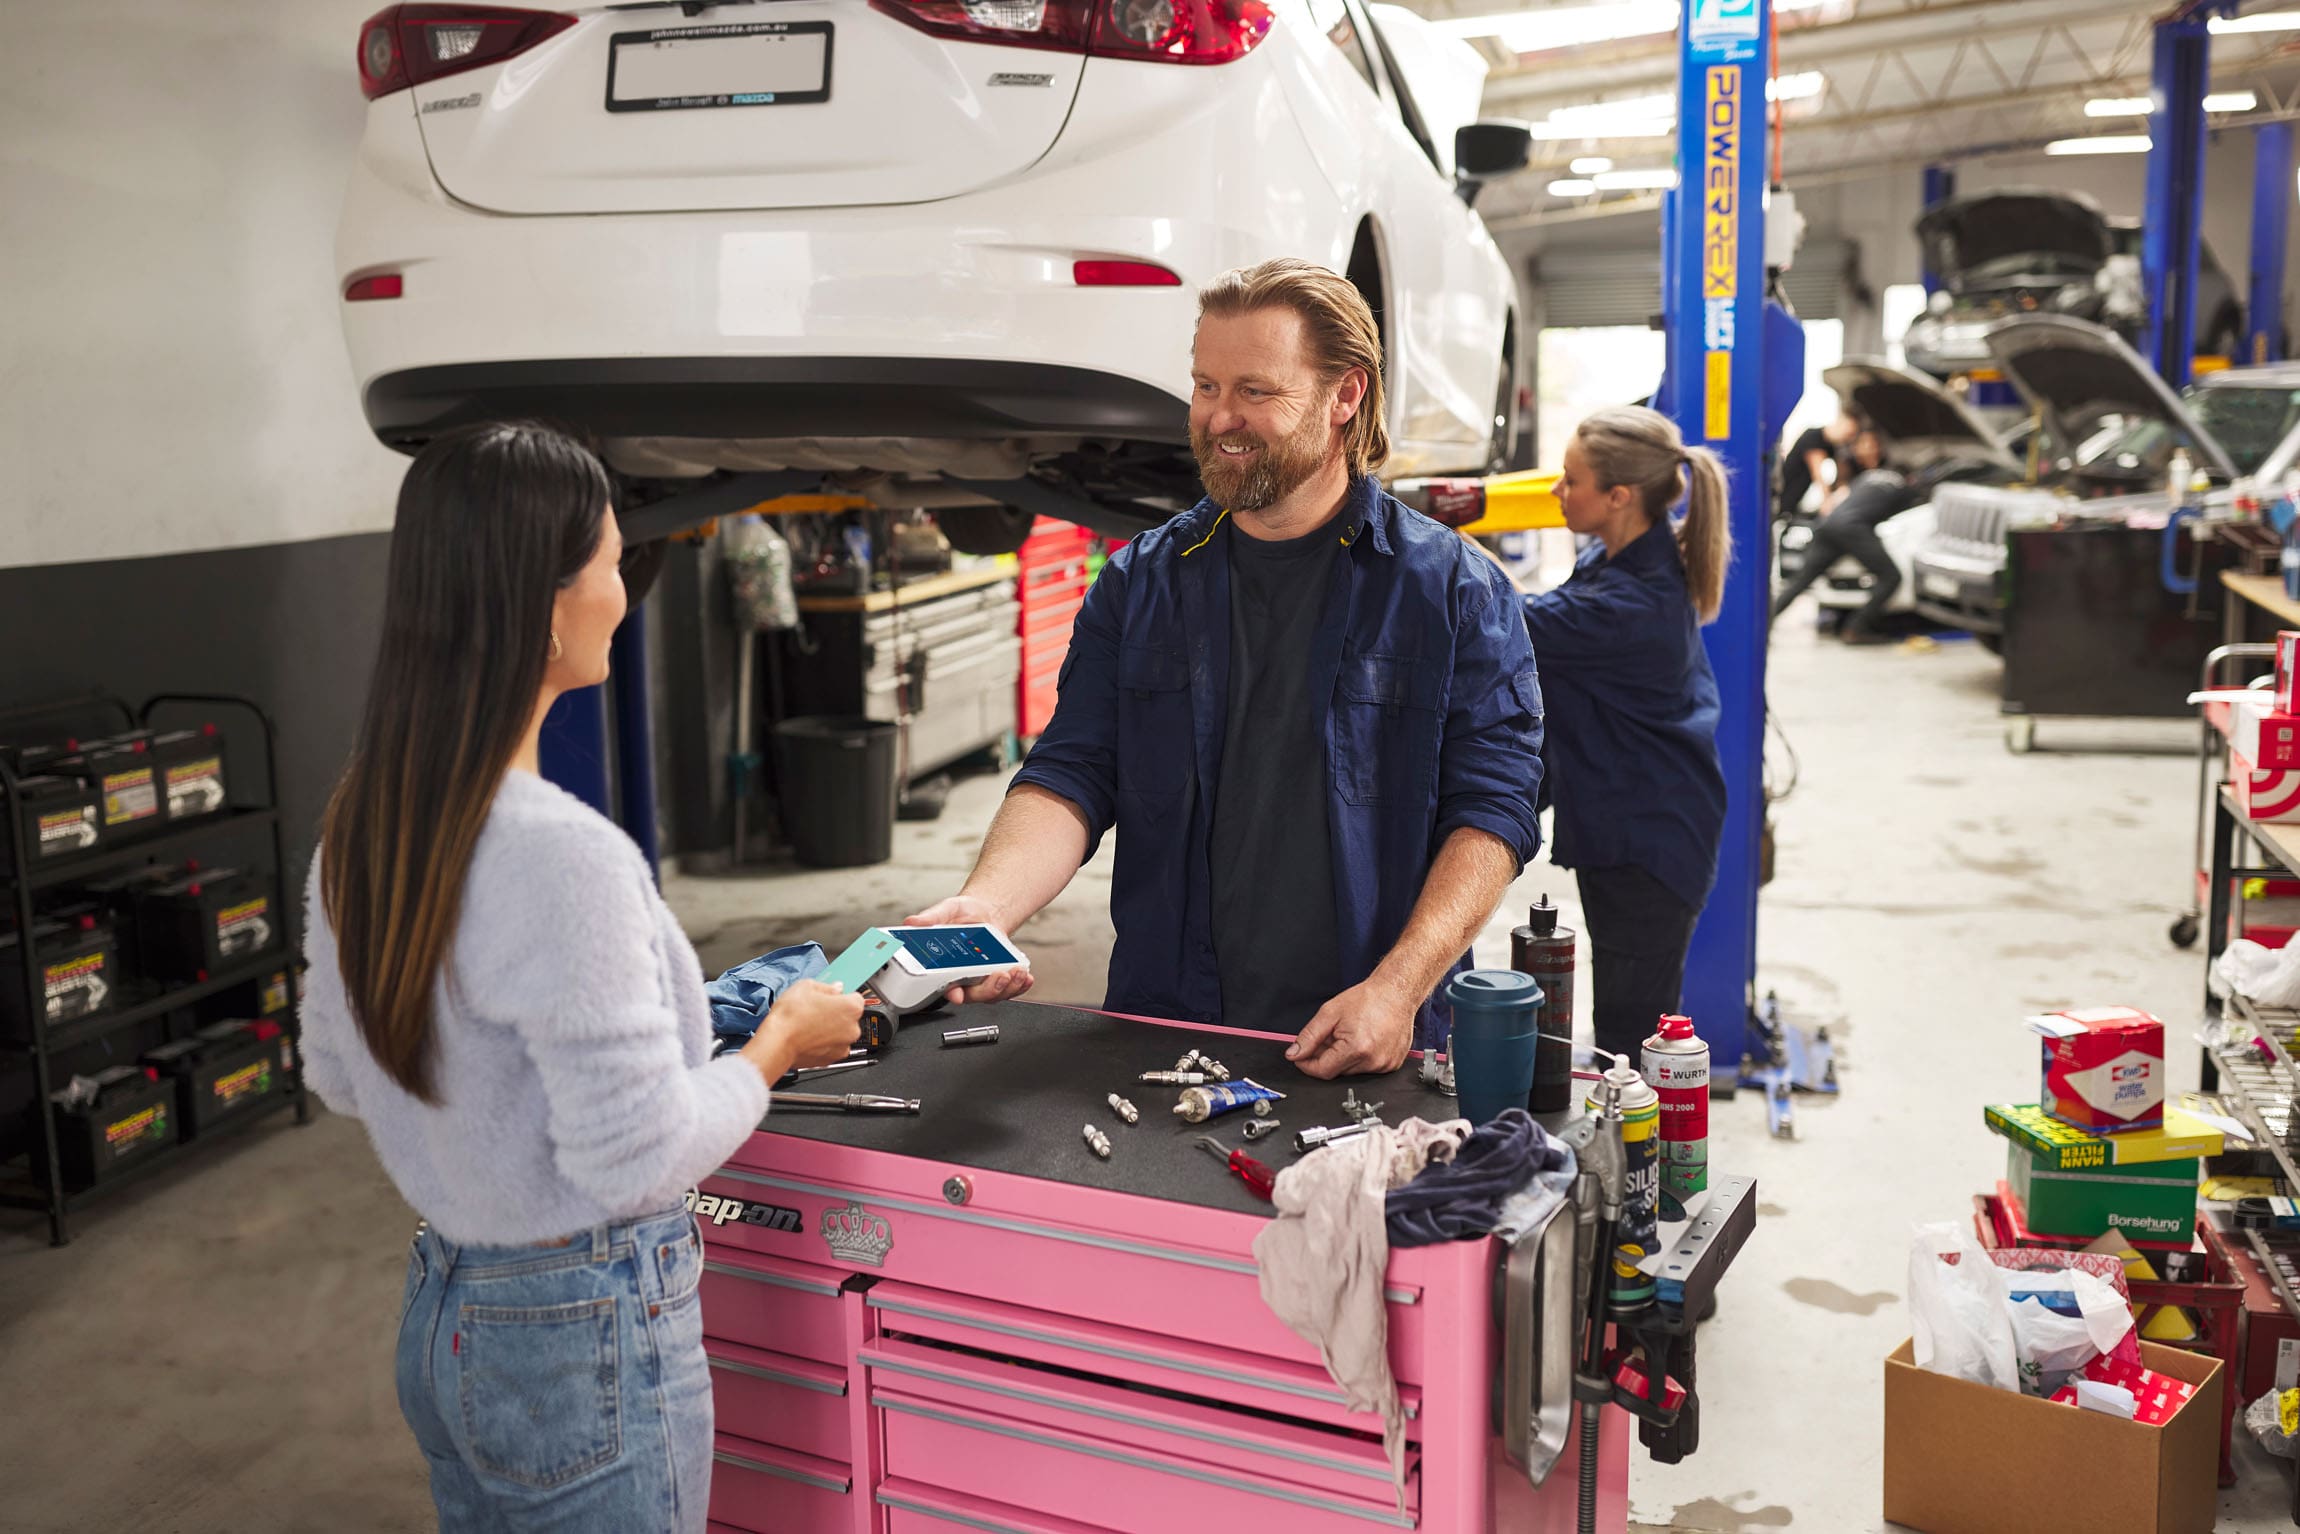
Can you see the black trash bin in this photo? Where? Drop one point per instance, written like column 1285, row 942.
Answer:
column 838, row 784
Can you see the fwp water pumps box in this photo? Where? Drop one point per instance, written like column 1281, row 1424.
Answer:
column 2103, row 1068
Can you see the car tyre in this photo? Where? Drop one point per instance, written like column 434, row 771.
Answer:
column 985, row 529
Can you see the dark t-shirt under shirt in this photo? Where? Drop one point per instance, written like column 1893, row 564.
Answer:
column 1796, row 477
column 1276, row 947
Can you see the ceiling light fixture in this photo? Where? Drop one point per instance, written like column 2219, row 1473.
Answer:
column 2107, row 143
column 1590, row 165
column 1574, row 26
column 1572, row 188
column 2265, row 21
column 1636, row 180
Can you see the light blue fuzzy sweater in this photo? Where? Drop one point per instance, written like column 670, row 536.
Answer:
column 573, row 1066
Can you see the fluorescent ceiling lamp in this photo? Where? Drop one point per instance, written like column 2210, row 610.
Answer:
column 2141, row 106
column 2107, row 143
column 1590, row 165
column 1604, row 127
column 1636, row 180
column 1803, row 86
column 1572, row 26
column 1571, row 188
column 2265, row 21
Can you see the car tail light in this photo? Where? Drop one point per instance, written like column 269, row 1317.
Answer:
column 1122, row 274
column 409, row 44
column 385, row 285
column 1164, row 31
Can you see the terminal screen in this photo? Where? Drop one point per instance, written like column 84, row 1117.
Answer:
column 956, row 947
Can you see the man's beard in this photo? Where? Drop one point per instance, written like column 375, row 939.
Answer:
column 1279, row 469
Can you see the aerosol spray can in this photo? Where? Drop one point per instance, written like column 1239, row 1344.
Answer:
column 1543, row 949
column 1677, row 1067
column 1640, row 1109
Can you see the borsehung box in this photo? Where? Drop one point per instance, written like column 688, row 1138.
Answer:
column 2103, row 1068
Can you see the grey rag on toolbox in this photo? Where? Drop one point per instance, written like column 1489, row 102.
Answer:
column 1323, row 1258
column 740, row 997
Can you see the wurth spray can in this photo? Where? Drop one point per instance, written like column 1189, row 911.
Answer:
column 1677, row 1067
column 1640, row 1108
column 1543, row 949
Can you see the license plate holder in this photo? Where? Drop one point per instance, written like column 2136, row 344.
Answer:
column 754, row 64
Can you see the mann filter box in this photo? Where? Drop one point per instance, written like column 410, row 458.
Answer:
column 2103, row 1068
column 2151, row 1200
column 2055, row 1145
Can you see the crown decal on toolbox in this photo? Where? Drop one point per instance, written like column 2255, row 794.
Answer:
column 854, row 1234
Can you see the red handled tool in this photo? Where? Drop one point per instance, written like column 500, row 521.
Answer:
column 1252, row 1173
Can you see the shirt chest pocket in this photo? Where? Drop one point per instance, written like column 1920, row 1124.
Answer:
column 1156, row 745
column 1389, row 721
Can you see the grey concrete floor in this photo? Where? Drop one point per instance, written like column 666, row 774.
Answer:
column 212, row 1351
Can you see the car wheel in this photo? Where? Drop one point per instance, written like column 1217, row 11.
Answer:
column 985, row 529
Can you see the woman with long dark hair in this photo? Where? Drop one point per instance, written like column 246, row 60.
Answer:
column 497, row 989
column 1630, row 753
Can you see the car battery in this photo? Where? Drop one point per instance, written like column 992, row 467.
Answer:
column 78, row 962
column 117, row 1118
column 277, row 1000
column 125, row 781
column 203, row 920
column 222, row 1071
column 57, row 818
column 190, row 765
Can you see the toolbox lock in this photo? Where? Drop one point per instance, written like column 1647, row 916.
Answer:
column 958, row 1190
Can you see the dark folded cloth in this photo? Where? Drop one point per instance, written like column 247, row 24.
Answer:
column 1461, row 1199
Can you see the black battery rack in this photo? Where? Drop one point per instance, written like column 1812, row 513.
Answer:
column 94, row 794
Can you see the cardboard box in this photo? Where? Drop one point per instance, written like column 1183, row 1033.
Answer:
column 2155, row 1199
column 2266, row 737
column 2104, row 1066
column 1962, row 1458
column 2267, row 794
column 2054, row 1144
column 2288, row 671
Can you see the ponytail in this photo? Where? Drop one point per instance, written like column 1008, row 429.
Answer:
column 1631, row 445
column 1705, row 537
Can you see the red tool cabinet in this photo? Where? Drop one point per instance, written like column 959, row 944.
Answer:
column 1052, row 587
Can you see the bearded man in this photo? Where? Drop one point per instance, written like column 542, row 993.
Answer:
column 1309, row 712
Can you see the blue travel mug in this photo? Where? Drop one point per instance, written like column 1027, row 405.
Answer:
column 1496, row 1021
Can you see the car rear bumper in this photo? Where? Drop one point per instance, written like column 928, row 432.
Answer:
column 1959, row 592
column 749, row 397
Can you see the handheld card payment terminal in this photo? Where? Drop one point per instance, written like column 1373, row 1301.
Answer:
column 931, row 960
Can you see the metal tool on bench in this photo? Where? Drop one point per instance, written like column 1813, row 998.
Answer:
column 1322, row 1134
column 849, row 1102
column 825, row 1070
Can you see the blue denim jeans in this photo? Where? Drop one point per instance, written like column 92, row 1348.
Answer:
column 561, row 1387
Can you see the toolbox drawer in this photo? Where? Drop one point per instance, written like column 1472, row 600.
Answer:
column 782, row 1307
column 1250, row 1381
column 1126, row 1487
column 915, row 1508
column 1289, row 1460
column 773, row 1398
column 764, row 1490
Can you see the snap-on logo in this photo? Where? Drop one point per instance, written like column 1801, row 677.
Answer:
column 718, row 1211
column 854, row 1234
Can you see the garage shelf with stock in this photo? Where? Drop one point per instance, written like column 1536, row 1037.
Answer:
column 115, row 929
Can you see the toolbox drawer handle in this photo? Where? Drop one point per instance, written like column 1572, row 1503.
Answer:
column 1128, row 1419
column 1132, row 1355
column 779, row 1280
column 795, row 1381
column 781, row 1472
column 963, row 1520
column 1140, row 1462
column 937, row 1211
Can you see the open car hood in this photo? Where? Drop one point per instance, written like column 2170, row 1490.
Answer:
column 1919, row 419
column 1993, row 230
column 2073, row 373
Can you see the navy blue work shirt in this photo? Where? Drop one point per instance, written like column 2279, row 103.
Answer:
column 1432, row 722
column 1631, row 752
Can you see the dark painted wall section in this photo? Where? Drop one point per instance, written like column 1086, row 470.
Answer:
column 291, row 625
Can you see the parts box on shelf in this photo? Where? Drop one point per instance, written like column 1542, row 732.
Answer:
column 79, row 971
column 222, row 1070
column 132, row 1120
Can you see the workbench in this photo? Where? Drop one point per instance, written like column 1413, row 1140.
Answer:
column 964, row 1319
column 2258, row 597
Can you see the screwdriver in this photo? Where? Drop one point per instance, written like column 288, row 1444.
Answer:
column 1257, row 1177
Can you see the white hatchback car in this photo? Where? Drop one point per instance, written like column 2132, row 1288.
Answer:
column 928, row 247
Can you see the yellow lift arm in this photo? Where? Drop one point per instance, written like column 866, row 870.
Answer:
column 1503, row 503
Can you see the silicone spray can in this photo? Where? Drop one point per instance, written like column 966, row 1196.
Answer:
column 1677, row 1067
column 1640, row 1108
column 1543, row 949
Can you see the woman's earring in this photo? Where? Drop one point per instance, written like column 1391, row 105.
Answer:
column 554, row 644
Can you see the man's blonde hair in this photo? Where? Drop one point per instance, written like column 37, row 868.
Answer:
column 1338, row 328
